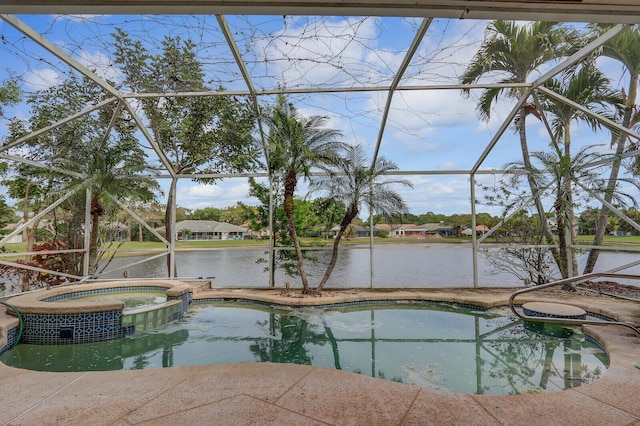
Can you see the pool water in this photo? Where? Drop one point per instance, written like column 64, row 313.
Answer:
column 133, row 300
column 431, row 346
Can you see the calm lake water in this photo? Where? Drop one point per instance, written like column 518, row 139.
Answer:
column 395, row 265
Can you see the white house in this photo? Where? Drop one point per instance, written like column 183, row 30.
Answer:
column 207, row 230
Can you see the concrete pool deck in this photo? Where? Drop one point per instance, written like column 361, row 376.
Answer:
column 284, row 394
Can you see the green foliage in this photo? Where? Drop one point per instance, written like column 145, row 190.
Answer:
column 196, row 134
column 207, row 213
column 328, row 211
column 210, row 134
column 61, row 262
column 523, row 253
column 184, row 233
column 355, row 182
column 10, row 94
column 296, row 145
column 7, row 213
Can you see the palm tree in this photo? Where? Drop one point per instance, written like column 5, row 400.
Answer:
column 513, row 52
column 624, row 49
column 115, row 170
column 297, row 145
column 113, row 164
column 355, row 182
column 556, row 173
column 589, row 87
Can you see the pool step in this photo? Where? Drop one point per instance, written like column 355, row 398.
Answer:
column 553, row 310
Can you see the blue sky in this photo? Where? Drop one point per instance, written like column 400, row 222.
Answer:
column 435, row 130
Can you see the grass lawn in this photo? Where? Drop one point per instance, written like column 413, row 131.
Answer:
column 609, row 240
column 150, row 246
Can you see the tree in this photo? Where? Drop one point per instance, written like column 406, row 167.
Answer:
column 328, row 211
column 588, row 220
column 624, row 49
column 521, row 252
column 355, row 182
column 590, row 88
column 556, row 172
column 35, row 187
column 197, row 134
column 512, row 52
column 207, row 213
column 114, row 169
column 633, row 214
column 10, row 94
column 431, row 217
column 97, row 151
column 296, row 146
column 7, row 214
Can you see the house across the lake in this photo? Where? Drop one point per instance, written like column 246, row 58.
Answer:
column 406, row 230
column 480, row 230
column 207, row 230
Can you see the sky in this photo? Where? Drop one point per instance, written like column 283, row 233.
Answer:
column 426, row 130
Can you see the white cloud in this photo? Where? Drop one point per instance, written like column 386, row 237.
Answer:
column 320, row 51
column 101, row 65
column 222, row 194
column 41, row 79
column 432, row 108
column 438, row 194
column 80, row 17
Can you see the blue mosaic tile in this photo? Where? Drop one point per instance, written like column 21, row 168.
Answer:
column 12, row 336
column 91, row 326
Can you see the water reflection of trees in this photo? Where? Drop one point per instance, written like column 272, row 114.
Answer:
column 509, row 358
column 517, row 355
column 288, row 341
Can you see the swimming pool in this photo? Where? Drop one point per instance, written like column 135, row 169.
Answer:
column 438, row 346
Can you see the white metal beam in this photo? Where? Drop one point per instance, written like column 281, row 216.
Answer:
column 612, row 11
column 56, row 124
column 57, row 52
column 424, row 26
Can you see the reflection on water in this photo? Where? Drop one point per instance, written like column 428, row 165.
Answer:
column 429, row 346
column 395, row 265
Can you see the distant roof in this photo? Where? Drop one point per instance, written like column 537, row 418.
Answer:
column 206, row 226
column 392, row 226
column 435, row 227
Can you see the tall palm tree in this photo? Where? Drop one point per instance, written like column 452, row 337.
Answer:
column 589, row 87
column 296, row 146
column 355, row 182
column 513, row 52
column 624, row 49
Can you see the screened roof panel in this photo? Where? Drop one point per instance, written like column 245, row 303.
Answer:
column 387, row 83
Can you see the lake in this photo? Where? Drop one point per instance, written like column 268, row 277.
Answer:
column 395, row 265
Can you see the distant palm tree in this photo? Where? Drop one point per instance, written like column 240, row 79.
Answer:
column 589, row 87
column 296, row 146
column 624, row 49
column 355, row 182
column 556, row 172
column 512, row 52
